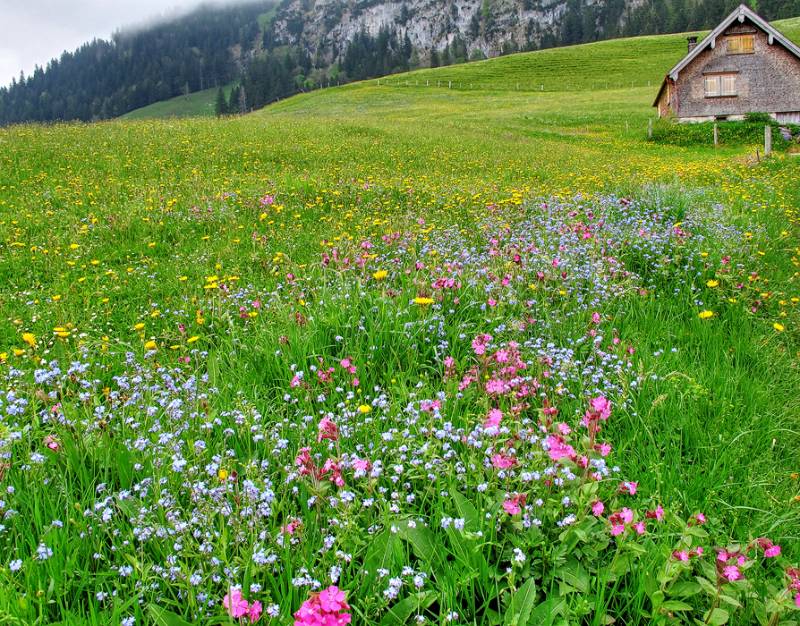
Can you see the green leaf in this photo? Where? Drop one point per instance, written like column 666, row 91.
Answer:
column 400, row 612
column 522, row 602
column 423, row 542
column 717, row 617
column 162, row 617
column 380, row 555
column 574, row 574
column 676, row 605
column 466, row 510
column 545, row 613
column 685, row 589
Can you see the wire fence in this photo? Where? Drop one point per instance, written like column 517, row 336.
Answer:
column 523, row 86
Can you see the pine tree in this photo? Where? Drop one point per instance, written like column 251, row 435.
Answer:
column 220, row 106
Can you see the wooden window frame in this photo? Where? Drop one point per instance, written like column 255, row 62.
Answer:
column 737, row 45
column 724, row 85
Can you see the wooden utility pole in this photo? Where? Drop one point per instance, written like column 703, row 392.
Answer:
column 716, row 135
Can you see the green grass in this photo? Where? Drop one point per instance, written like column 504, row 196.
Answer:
column 197, row 104
column 215, row 239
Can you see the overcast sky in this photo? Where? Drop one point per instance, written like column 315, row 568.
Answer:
column 34, row 31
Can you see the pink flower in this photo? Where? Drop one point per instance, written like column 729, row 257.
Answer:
column 732, row 573
column 237, row 606
column 640, row 528
column 617, row 529
column 362, row 465
column 52, row 443
column 492, row 422
column 598, row 508
column 558, row 449
column 326, row 608
column 627, row 515
column 503, row 461
column 680, row 555
column 327, row 430
column 595, row 318
column 604, row 449
column 629, row 488
column 657, row 515
column 601, row 406
column 797, row 600
column 772, row 552
column 255, row 612
column 512, row 505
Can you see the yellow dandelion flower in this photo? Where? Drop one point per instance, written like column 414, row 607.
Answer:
column 704, row 315
column 222, row 474
column 364, row 409
column 30, row 339
column 192, row 339
column 779, row 327
column 138, row 326
column 423, row 301
column 380, row 274
column 712, row 283
column 150, row 345
column 18, row 351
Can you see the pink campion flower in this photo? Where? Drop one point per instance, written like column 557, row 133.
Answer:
column 626, row 515
column 597, row 508
column 603, row 448
column 680, row 555
column 564, row 429
column 559, row 449
column 492, row 422
column 362, row 466
column 697, row 518
column 304, row 461
column 596, row 318
column 326, row 608
column 657, row 515
column 503, row 461
column 629, row 488
column 770, row 549
column 236, row 605
column 327, row 430
column 772, row 552
column 797, row 600
column 291, row 527
column 480, row 342
column 640, row 528
column 255, row 612
column 334, row 469
column 732, row 573
column 617, row 529
column 513, row 505
column 52, row 443
column 723, row 556
column 601, row 406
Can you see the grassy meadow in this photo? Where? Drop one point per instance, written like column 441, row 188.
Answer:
column 473, row 356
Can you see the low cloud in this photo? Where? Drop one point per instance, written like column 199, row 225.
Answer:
column 34, row 31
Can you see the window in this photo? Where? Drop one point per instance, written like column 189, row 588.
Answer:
column 741, row 44
column 720, row 85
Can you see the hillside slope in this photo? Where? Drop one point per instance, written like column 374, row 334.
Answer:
column 639, row 62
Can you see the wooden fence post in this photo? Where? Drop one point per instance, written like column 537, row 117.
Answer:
column 650, row 128
column 716, row 135
column 767, row 140
column 449, row 84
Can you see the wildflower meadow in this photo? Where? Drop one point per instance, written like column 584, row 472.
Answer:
column 396, row 355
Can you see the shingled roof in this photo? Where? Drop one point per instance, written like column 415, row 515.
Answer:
column 742, row 13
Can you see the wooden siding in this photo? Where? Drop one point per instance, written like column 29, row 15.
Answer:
column 768, row 80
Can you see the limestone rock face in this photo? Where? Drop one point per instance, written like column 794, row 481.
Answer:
column 324, row 27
